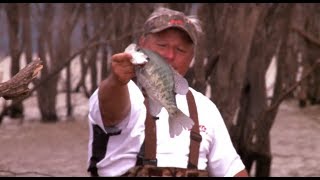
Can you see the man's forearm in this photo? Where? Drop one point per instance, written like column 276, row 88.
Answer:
column 114, row 101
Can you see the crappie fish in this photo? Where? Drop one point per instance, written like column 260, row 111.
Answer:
column 160, row 81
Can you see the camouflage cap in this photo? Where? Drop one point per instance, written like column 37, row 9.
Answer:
column 164, row 18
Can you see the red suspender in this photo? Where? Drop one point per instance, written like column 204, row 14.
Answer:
column 195, row 137
column 150, row 141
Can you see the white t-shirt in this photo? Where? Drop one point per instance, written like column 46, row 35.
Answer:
column 216, row 154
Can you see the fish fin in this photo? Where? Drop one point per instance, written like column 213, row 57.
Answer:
column 181, row 85
column 155, row 107
column 179, row 122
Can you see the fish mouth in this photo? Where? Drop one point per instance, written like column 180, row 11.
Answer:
column 174, row 67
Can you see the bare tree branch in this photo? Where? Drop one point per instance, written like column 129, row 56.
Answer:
column 309, row 37
column 293, row 87
column 17, row 86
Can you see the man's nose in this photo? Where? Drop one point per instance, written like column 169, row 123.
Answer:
column 170, row 55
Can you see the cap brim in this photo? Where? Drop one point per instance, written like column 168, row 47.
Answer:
column 173, row 26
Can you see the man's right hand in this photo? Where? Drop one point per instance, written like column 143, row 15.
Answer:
column 122, row 70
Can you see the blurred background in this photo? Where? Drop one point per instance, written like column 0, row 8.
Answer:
column 258, row 62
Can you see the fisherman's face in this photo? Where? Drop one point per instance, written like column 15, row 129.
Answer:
column 174, row 45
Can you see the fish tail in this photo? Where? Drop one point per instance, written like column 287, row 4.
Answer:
column 178, row 122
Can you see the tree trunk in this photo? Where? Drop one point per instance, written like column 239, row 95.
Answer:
column 26, row 27
column 196, row 75
column 85, row 38
column 239, row 25
column 47, row 92
column 14, row 28
column 122, row 26
column 68, row 21
column 251, row 134
column 312, row 27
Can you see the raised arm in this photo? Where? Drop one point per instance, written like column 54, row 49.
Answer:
column 114, row 100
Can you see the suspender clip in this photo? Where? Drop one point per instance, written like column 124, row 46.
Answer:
column 152, row 162
column 195, row 136
column 155, row 117
column 192, row 166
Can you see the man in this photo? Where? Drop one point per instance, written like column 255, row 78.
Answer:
column 117, row 112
